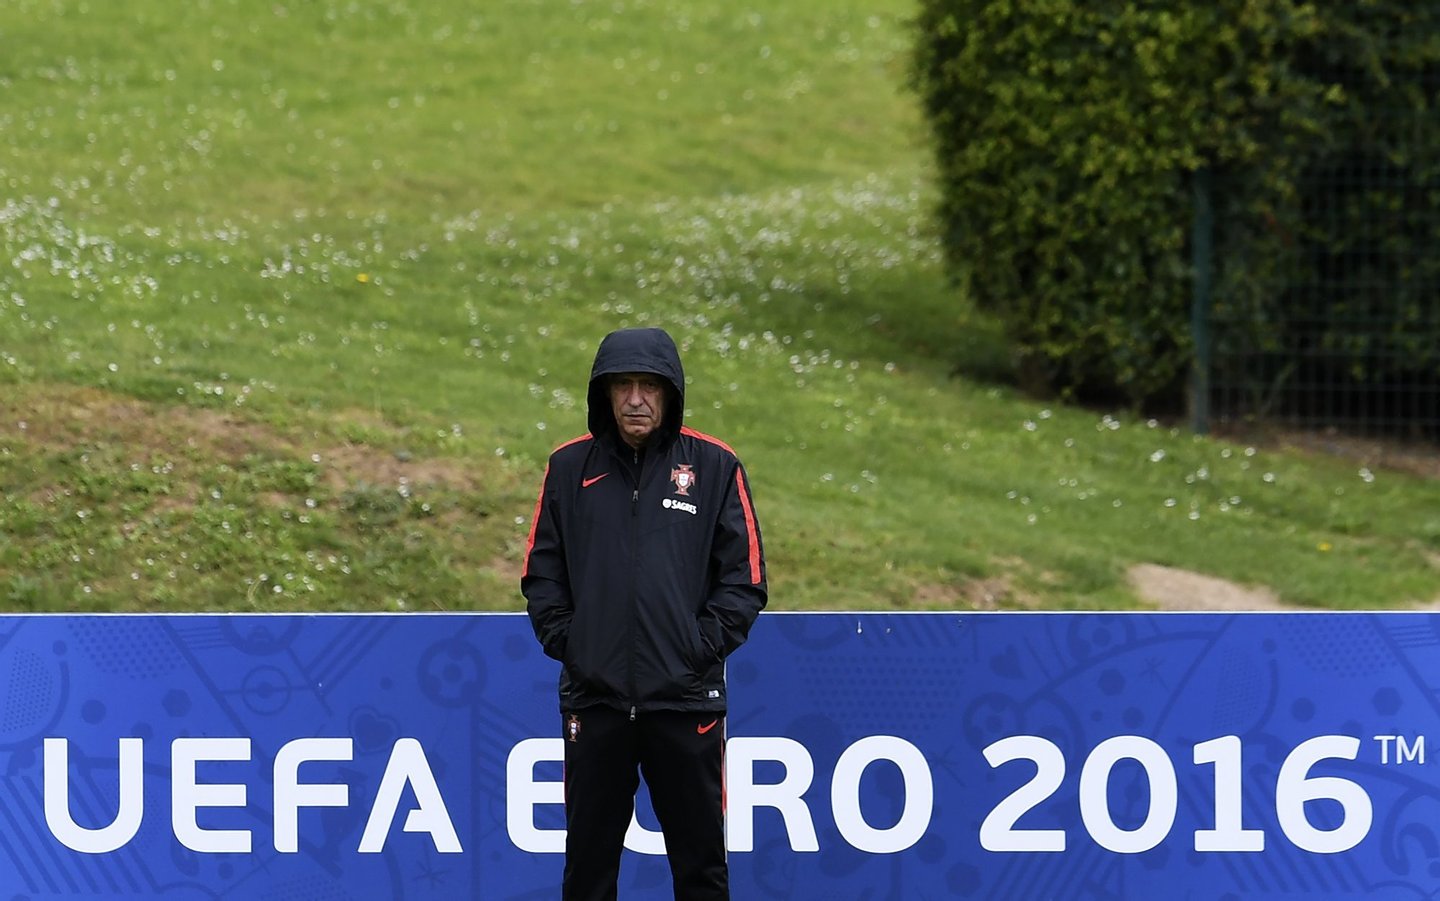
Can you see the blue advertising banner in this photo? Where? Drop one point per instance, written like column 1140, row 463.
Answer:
column 880, row 756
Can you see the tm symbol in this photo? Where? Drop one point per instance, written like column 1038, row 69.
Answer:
column 1406, row 750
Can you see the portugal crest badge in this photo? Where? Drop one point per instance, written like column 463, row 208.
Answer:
column 572, row 728
column 684, row 478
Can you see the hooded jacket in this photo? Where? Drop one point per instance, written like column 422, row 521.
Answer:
column 644, row 569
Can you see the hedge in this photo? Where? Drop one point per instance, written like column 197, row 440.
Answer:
column 1067, row 136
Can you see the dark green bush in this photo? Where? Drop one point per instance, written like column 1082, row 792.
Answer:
column 1067, row 135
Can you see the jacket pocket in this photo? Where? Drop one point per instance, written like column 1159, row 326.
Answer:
column 578, row 667
column 701, row 657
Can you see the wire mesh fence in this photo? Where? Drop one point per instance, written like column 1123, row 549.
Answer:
column 1339, row 327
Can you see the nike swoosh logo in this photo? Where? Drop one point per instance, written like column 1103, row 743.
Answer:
column 586, row 483
column 707, row 727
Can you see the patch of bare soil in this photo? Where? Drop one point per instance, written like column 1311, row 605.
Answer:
column 1169, row 588
column 60, row 417
column 506, row 569
column 971, row 594
column 351, row 464
column 1417, row 458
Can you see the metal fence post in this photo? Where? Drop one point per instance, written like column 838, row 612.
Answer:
column 1202, row 249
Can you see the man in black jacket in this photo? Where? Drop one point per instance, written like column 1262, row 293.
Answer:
column 643, row 572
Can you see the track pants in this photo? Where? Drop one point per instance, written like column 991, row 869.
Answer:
column 681, row 756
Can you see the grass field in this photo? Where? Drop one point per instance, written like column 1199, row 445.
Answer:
column 296, row 298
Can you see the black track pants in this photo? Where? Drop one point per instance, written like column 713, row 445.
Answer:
column 681, row 756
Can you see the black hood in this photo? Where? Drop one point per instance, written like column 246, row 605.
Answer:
column 637, row 350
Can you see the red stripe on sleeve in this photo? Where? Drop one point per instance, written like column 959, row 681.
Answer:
column 750, row 528
column 535, row 523
column 686, row 430
column 744, row 502
column 535, row 519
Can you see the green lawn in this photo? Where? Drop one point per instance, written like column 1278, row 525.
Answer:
column 295, row 299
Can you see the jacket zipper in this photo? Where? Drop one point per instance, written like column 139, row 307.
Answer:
column 634, row 573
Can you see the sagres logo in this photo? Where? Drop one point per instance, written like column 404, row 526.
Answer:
column 684, row 478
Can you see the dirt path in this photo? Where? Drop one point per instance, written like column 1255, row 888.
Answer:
column 1169, row 588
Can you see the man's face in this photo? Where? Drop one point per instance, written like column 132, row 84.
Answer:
column 638, row 399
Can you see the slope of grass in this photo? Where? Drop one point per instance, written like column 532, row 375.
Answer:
column 298, row 297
